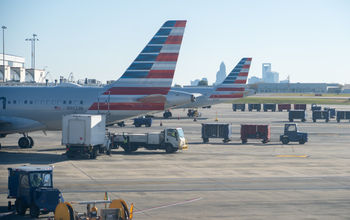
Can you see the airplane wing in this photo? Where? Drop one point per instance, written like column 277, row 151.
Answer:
column 10, row 124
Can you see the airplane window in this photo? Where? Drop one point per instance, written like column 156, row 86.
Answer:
column 14, row 102
column 30, row 102
column 64, row 102
column 9, row 102
column 81, row 102
column 25, row 101
column 70, row 102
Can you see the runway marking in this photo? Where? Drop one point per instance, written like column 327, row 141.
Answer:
column 169, row 205
column 302, row 156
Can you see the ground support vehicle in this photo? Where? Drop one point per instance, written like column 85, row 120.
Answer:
column 319, row 114
column 256, row 107
column 241, row 107
column 291, row 134
column 331, row 111
column 315, row 107
column 255, row 132
column 170, row 140
column 117, row 210
column 297, row 114
column 121, row 124
column 216, row 130
column 138, row 122
column 167, row 114
column 282, row 107
column 343, row 115
column 299, row 106
column 84, row 135
column 271, row 107
column 32, row 187
column 191, row 113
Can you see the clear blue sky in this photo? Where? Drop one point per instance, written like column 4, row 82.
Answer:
column 308, row 40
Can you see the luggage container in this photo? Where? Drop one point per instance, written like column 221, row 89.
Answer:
column 341, row 115
column 255, row 132
column 319, row 114
column 331, row 111
column 256, row 107
column 297, row 114
column 271, row 107
column 236, row 107
column 216, row 130
column 299, row 106
column 282, row 107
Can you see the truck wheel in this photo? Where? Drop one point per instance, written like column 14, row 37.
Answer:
column 34, row 211
column 205, row 140
column 148, row 125
column 290, row 120
column 303, row 120
column 285, row 140
column 93, row 154
column 314, row 120
column 244, row 141
column 264, row 141
column 302, row 141
column 20, row 207
column 169, row 149
column 137, row 125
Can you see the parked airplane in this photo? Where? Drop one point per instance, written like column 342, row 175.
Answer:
column 233, row 87
column 141, row 89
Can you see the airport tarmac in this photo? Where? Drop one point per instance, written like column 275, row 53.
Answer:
column 207, row 181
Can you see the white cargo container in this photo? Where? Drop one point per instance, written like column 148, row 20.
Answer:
column 83, row 134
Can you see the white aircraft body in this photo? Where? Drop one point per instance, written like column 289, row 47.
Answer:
column 143, row 88
column 232, row 88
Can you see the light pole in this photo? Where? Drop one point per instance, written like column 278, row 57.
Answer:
column 33, row 48
column 3, row 50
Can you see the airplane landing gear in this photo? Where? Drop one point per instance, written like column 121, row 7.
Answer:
column 25, row 142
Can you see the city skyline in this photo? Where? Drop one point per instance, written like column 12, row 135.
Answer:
column 309, row 41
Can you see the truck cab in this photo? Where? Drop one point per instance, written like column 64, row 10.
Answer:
column 174, row 140
column 32, row 187
column 291, row 134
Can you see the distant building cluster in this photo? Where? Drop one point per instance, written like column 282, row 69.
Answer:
column 199, row 82
column 221, row 74
column 297, row 87
column 14, row 71
column 268, row 76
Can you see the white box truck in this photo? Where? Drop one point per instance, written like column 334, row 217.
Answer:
column 170, row 140
column 84, row 134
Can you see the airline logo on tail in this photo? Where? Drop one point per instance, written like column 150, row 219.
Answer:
column 234, row 85
column 148, row 79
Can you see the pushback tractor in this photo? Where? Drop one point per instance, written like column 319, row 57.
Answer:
column 32, row 187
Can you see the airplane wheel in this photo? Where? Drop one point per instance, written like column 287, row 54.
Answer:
column 24, row 142
column 31, row 141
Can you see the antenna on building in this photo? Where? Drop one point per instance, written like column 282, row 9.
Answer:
column 32, row 40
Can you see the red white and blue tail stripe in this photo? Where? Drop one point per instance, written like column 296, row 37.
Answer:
column 149, row 77
column 233, row 86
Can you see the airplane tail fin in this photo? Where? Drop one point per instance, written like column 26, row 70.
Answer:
column 233, row 86
column 153, row 69
column 149, row 76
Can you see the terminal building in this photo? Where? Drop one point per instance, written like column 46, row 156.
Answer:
column 14, row 71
